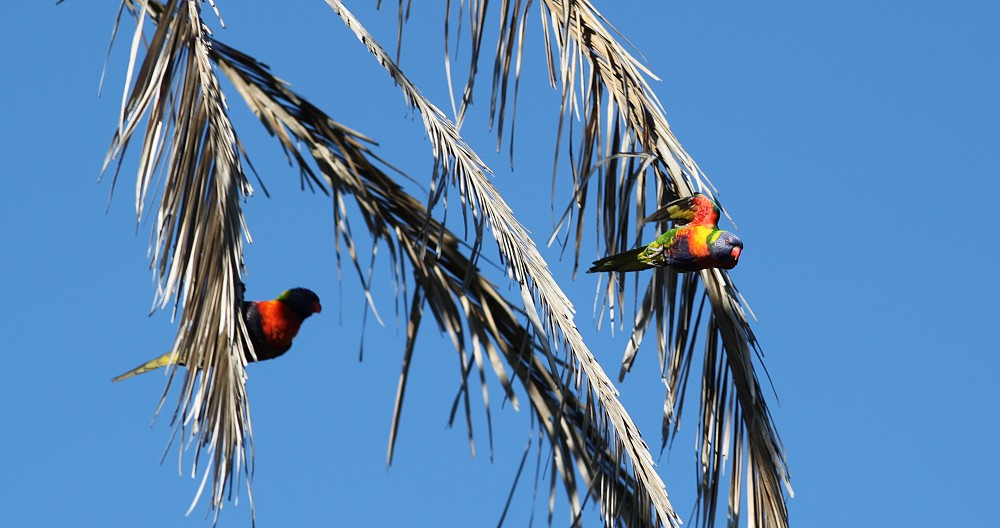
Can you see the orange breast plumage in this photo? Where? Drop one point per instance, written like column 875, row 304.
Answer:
column 278, row 323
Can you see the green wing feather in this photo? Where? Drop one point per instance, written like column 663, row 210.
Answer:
column 638, row 259
column 627, row 261
column 698, row 209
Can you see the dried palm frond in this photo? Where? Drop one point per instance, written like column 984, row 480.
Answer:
column 592, row 432
column 626, row 144
column 448, row 283
column 196, row 248
column 457, row 161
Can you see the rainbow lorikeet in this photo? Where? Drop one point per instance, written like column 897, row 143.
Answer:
column 696, row 243
column 271, row 324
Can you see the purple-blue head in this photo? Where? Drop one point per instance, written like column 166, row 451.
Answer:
column 725, row 249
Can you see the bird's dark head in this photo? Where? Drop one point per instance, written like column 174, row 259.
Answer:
column 302, row 301
column 725, row 249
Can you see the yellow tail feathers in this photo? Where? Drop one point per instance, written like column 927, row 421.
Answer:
column 162, row 361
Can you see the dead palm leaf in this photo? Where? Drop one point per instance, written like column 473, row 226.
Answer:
column 593, row 431
column 626, row 145
column 448, row 283
column 457, row 161
column 190, row 145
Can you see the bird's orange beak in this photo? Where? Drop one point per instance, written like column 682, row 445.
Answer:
column 736, row 253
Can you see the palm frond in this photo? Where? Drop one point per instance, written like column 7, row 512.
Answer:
column 399, row 219
column 448, row 283
column 196, row 248
column 626, row 145
column 624, row 142
column 468, row 173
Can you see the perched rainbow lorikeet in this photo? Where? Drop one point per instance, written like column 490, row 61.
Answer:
column 271, row 324
column 696, row 243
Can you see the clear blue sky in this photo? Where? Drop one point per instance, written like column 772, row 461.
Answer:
column 853, row 142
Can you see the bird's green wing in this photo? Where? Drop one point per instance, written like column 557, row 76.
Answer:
column 655, row 253
column 652, row 255
column 625, row 261
column 696, row 209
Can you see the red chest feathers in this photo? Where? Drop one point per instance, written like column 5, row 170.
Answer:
column 278, row 323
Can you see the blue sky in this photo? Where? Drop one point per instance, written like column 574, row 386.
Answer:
column 852, row 142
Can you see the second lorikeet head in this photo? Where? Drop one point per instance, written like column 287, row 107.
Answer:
column 726, row 249
column 302, row 301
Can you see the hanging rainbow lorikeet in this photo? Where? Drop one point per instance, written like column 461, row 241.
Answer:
column 696, row 243
column 271, row 324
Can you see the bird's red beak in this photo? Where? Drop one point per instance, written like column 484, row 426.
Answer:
column 317, row 308
column 736, row 252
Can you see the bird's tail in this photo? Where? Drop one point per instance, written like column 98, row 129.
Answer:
column 166, row 359
column 627, row 261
